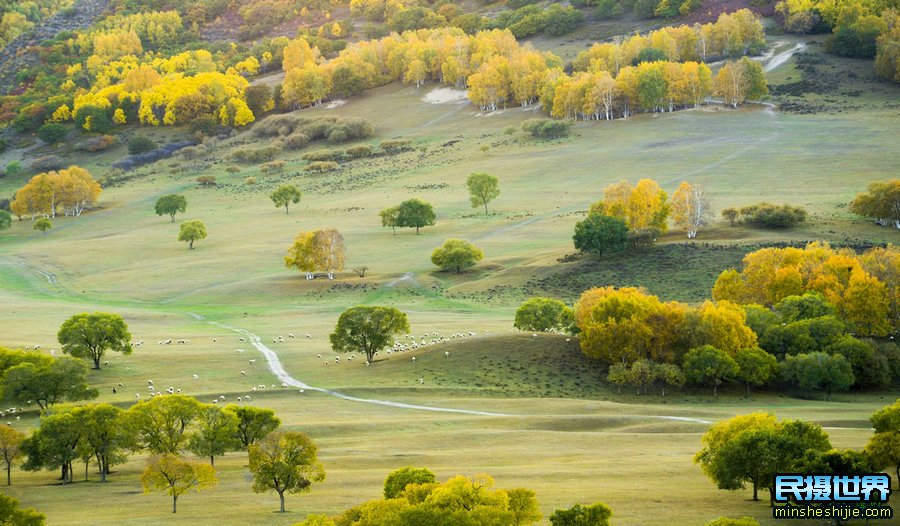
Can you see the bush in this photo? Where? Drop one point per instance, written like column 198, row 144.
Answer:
column 47, row 162
column 607, row 9
column 141, row 144
column 232, row 169
column 207, row 180
column 767, row 215
column 324, row 155
column 204, row 125
column 274, row 166
column 53, row 133
column 395, row 145
column 250, row 181
column 96, row 144
column 13, row 169
column 93, row 119
column 321, row 166
column 258, row 155
column 544, row 314
column 363, row 150
column 295, row 141
column 3, row 146
column 133, row 161
column 546, row 128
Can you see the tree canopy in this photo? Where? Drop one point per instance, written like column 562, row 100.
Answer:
column 170, row 205
column 415, row 213
column 176, row 476
column 367, row 329
column 285, row 462
column 90, row 335
column 317, row 250
column 191, row 231
column 456, row 254
column 483, row 188
column 544, row 314
column 285, row 195
column 600, row 234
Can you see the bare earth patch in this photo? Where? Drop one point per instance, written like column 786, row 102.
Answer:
column 445, row 96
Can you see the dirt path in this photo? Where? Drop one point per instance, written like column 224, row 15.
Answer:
column 783, row 57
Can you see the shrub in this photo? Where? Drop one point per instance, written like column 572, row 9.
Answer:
column 321, row 166
column 47, row 162
column 395, row 145
column 133, row 161
column 324, row 155
column 3, row 145
column 295, row 141
column 53, row 133
column 141, row 144
column 274, row 166
column 546, row 128
column 204, row 125
column 767, row 215
column 93, row 119
column 363, row 150
column 207, row 180
column 250, row 180
column 258, row 155
column 13, row 169
column 96, row 144
column 233, row 169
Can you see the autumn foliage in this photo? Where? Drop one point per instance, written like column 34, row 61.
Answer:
column 69, row 191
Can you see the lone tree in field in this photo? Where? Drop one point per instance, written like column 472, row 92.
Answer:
column 367, row 329
column 285, row 462
column 170, row 205
column 544, row 314
column 600, row 234
column 43, row 224
column 10, row 449
column 285, row 195
column 177, row 476
column 191, row 231
column 319, row 250
column 390, row 217
column 482, row 189
column 456, row 254
column 88, row 335
column 415, row 213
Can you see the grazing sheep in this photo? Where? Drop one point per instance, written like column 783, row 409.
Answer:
column 151, row 388
column 168, row 342
column 215, row 401
column 308, row 335
column 243, row 373
column 421, row 380
column 284, row 386
column 568, row 340
column 106, row 363
column 214, row 340
column 120, row 384
column 160, row 342
column 196, row 377
column 247, row 398
column 150, row 382
column 178, row 391
column 446, row 353
column 222, row 398
column 413, row 358
column 37, row 347
column 302, row 391
column 534, row 335
column 252, row 362
column 239, row 351
column 318, row 356
column 290, row 335
column 252, row 390
column 242, row 339
column 137, row 395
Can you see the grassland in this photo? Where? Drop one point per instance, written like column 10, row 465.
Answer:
column 572, row 438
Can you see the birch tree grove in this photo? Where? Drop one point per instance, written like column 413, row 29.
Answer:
column 318, row 250
column 68, row 192
column 690, row 208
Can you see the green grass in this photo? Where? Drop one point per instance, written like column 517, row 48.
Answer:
column 572, row 438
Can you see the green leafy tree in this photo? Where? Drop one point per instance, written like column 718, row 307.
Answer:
column 707, row 366
column 618, row 374
column 191, row 231
column 601, row 234
column 176, row 476
column 54, row 445
column 5, row 220
column 285, row 462
column 48, row 382
column 53, row 133
column 869, row 369
column 483, row 188
column 10, row 449
column 819, row 371
column 89, row 336
column 162, row 424
column 11, row 513
column 170, row 205
column 285, row 195
column 884, row 446
column 524, row 506
column 594, row 515
column 253, row 423
column 141, row 144
column 390, row 217
column 807, row 306
column 43, row 224
column 398, row 479
column 415, row 213
column 544, row 314
column 367, row 329
column 105, row 435
column 456, row 254
column 215, row 434
column 755, row 366
column 669, row 375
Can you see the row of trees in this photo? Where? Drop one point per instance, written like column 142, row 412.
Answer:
column 69, row 191
column 732, row 35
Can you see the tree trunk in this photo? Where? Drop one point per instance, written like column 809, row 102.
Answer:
column 173, row 218
column 174, row 503
column 716, row 388
column 285, row 209
column 281, row 496
column 755, row 488
column 190, row 247
column 485, row 206
column 212, row 460
column 8, row 471
column 417, row 230
column 86, row 464
column 96, row 362
column 65, row 472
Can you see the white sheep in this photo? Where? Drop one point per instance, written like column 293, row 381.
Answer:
column 252, row 362
column 239, row 351
column 106, row 363
column 302, row 391
column 290, row 335
column 196, row 377
column 242, row 339
column 137, row 395
column 284, row 386
column 215, row 401
column 318, row 356
column 222, row 398
column 178, row 391
column 247, row 398
column 150, row 382
column 446, row 353
column 240, row 399
column 413, row 358
column 243, row 373
column 308, row 335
